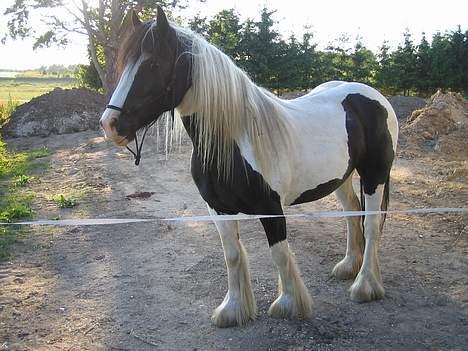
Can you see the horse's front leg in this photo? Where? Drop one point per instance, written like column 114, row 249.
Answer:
column 294, row 301
column 238, row 306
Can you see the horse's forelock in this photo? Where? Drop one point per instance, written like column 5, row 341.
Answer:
column 131, row 46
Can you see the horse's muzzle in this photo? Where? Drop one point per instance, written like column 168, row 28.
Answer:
column 108, row 123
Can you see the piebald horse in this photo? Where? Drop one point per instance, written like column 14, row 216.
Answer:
column 255, row 153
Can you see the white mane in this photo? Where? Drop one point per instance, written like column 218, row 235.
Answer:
column 230, row 107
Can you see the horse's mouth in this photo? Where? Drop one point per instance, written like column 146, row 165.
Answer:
column 122, row 142
column 118, row 140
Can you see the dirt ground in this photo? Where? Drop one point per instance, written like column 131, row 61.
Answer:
column 153, row 286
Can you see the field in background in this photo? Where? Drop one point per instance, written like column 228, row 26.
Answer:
column 23, row 87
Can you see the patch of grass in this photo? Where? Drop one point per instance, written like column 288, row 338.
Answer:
column 24, row 89
column 6, row 110
column 16, row 164
column 22, row 180
column 64, row 202
column 15, row 201
column 15, row 205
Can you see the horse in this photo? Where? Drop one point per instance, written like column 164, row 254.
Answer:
column 255, row 153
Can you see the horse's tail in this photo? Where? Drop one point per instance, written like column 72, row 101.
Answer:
column 385, row 201
column 383, row 206
column 363, row 205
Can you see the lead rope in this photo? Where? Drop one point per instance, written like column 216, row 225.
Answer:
column 137, row 154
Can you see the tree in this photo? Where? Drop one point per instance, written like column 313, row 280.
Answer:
column 263, row 47
column 224, row 32
column 337, row 56
column 423, row 67
column 309, row 62
column 458, row 57
column 440, row 65
column 103, row 24
column 199, row 25
column 363, row 64
column 404, row 59
column 385, row 77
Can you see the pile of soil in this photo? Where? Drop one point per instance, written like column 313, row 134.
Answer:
column 441, row 126
column 60, row 111
column 405, row 105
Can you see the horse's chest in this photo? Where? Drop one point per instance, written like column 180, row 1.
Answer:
column 245, row 191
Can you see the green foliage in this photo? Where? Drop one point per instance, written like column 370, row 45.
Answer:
column 223, row 32
column 22, row 163
column 6, row 110
column 64, row 202
column 16, row 209
column 87, row 76
column 22, row 180
column 15, row 200
column 14, row 169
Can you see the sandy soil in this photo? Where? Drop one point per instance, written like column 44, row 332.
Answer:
column 153, row 286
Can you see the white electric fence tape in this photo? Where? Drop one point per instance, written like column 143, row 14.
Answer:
column 239, row 217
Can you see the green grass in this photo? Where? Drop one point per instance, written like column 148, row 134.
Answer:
column 23, row 89
column 22, row 180
column 15, row 197
column 6, row 110
column 65, row 202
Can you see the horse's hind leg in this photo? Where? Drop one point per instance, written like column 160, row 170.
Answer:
column 368, row 284
column 238, row 306
column 349, row 266
column 294, row 300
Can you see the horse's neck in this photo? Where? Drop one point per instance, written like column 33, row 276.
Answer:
column 191, row 127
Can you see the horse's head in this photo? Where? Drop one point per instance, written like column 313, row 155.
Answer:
column 154, row 77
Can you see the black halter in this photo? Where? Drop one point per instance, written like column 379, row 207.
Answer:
column 139, row 147
column 169, row 89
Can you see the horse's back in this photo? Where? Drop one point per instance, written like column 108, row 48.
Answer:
column 331, row 96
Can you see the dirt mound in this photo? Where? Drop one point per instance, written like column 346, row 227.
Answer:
column 440, row 126
column 405, row 105
column 60, row 111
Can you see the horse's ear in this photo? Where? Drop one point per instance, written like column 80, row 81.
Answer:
column 161, row 21
column 136, row 22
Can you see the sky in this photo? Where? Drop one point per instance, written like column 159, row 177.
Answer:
column 373, row 20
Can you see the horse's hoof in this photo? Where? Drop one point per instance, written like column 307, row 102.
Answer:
column 285, row 307
column 230, row 314
column 347, row 268
column 366, row 287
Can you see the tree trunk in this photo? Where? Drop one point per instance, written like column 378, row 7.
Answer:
column 109, row 79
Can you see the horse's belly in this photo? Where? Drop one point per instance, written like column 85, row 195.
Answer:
column 315, row 164
column 317, row 171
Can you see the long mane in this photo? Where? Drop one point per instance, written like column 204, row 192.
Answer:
column 230, row 107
